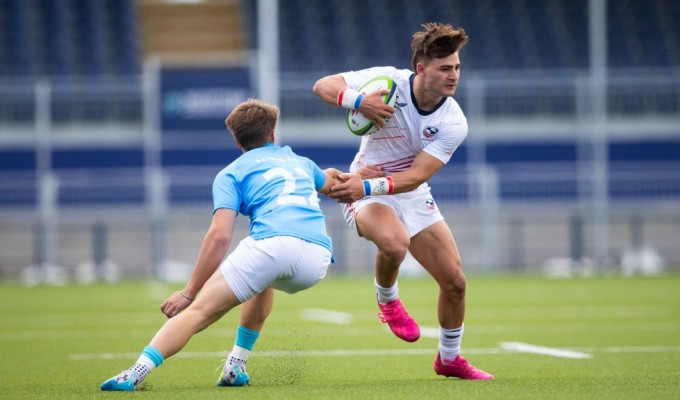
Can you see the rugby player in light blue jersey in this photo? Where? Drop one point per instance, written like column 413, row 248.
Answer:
column 288, row 248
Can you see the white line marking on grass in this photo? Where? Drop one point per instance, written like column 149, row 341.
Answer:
column 291, row 353
column 632, row 349
column 372, row 352
column 548, row 351
column 429, row 332
column 425, row 332
column 330, row 316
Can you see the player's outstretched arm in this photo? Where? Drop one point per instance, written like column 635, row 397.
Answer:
column 424, row 166
column 331, row 179
column 351, row 187
column 333, row 176
column 213, row 249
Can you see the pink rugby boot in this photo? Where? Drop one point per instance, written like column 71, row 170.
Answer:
column 459, row 368
column 394, row 314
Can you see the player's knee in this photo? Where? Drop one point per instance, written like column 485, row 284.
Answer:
column 199, row 316
column 394, row 250
column 454, row 285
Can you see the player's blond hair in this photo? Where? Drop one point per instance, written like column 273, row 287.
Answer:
column 252, row 123
column 436, row 41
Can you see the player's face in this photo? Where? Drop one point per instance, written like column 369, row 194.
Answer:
column 442, row 74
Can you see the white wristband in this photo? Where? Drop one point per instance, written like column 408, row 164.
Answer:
column 378, row 186
column 349, row 98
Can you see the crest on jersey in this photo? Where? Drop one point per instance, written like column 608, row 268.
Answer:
column 430, row 132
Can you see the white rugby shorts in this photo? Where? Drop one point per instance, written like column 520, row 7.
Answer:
column 415, row 209
column 283, row 262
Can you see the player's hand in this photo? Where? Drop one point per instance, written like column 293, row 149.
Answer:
column 374, row 108
column 370, row 171
column 349, row 188
column 174, row 304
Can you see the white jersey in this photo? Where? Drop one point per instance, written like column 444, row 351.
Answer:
column 411, row 130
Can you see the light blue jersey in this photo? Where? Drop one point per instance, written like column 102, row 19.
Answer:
column 276, row 188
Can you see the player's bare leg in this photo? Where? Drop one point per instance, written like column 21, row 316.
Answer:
column 215, row 300
column 435, row 249
column 379, row 224
column 255, row 311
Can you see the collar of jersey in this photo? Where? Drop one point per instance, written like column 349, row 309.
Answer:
column 415, row 103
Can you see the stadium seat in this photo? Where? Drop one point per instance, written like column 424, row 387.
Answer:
column 100, row 39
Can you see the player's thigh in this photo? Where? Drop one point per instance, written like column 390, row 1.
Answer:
column 215, row 299
column 380, row 224
column 436, row 250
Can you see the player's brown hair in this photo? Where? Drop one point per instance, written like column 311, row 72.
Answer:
column 436, row 41
column 252, row 123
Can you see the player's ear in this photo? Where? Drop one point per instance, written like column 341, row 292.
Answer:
column 419, row 68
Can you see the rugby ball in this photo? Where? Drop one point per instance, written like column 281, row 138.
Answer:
column 356, row 122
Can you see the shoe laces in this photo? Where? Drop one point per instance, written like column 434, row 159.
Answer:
column 223, row 363
column 394, row 312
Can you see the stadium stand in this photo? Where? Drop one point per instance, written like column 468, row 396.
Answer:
column 105, row 38
column 95, row 37
column 528, row 34
column 87, row 49
column 72, row 37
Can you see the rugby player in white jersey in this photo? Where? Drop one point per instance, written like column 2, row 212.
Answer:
column 389, row 201
column 288, row 248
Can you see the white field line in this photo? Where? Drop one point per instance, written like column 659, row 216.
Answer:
column 330, row 316
column 374, row 352
column 429, row 332
column 425, row 332
column 548, row 351
column 289, row 353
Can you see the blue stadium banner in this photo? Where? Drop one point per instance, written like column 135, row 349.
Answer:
column 200, row 99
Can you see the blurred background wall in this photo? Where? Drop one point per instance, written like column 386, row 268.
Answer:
column 111, row 127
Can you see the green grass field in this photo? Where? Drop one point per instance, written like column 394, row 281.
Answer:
column 62, row 342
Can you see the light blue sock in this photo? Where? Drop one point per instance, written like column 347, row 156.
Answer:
column 147, row 361
column 246, row 338
column 154, row 355
column 245, row 341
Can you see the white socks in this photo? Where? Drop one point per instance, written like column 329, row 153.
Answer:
column 449, row 343
column 385, row 295
column 238, row 355
column 143, row 366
